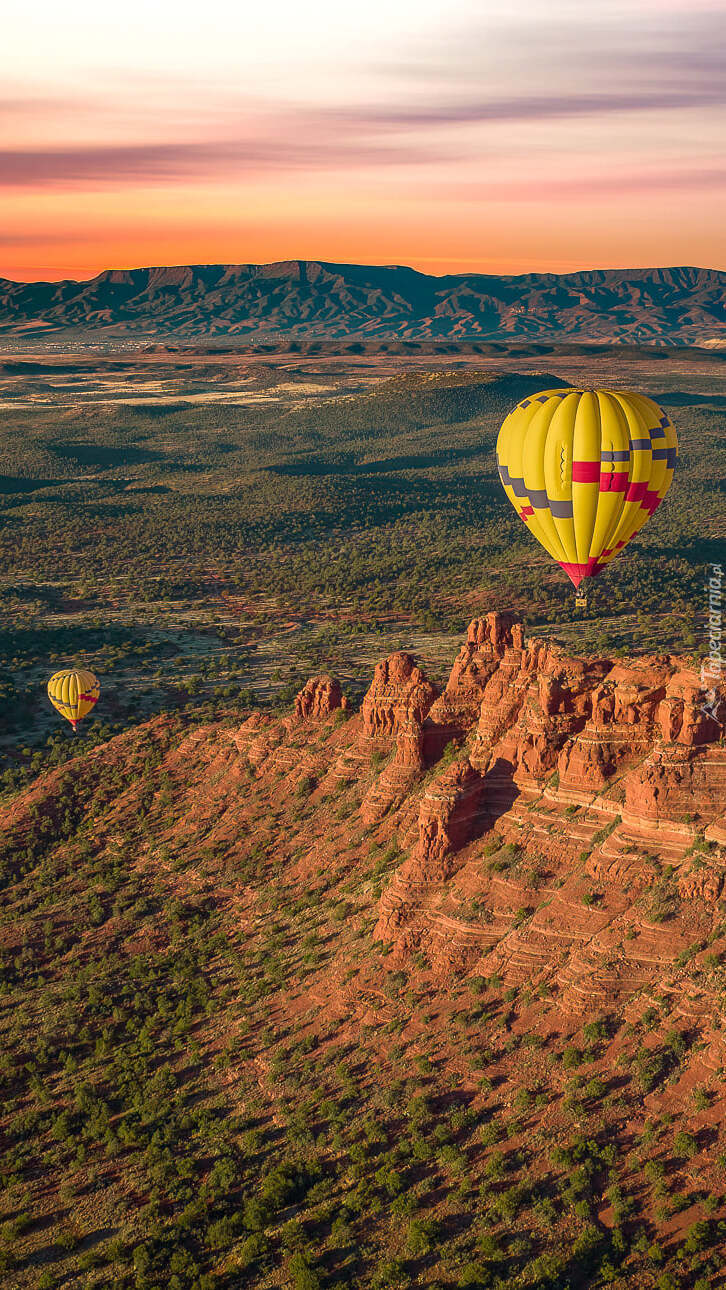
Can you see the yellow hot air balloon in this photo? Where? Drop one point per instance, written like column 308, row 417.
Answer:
column 585, row 470
column 73, row 692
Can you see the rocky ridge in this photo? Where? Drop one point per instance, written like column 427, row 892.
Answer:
column 552, row 812
column 509, row 891
column 557, row 822
column 316, row 299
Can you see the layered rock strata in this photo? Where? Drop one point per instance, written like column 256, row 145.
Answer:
column 611, row 773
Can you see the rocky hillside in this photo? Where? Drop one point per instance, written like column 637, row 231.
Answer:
column 425, row 994
column 309, row 299
column 610, row 773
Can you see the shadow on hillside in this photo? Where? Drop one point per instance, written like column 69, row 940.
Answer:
column 97, row 454
column 349, row 466
column 500, row 790
column 21, row 484
column 682, row 399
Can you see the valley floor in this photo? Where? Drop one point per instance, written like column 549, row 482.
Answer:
column 423, row 993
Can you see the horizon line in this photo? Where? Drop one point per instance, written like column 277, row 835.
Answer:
column 359, row 264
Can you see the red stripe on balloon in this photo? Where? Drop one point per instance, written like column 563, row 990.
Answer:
column 585, row 472
column 576, row 572
column 648, row 497
column 615, row 481
column 651, row 502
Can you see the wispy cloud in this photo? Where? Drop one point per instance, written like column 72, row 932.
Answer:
column 536, row 107
column 555, row 44
column 513, row 102
column 18, row 237
column 296, row 138
column 179, row 161
column 615, row 185
column 514, row 65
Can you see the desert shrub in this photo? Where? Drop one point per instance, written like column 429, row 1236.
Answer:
column 571, row 1056
column 421, row 1235
column 685, row 1144
column 587, row 1242
column 652, row 1067
column 302, row 1276
column 595, row 1031
column 474, row 1276
column 390, row 1273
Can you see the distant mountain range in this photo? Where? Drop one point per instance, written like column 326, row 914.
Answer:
column 308, row 299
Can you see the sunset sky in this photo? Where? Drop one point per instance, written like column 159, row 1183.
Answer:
column 473, row 135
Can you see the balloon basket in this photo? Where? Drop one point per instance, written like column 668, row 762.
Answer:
column 580, row 602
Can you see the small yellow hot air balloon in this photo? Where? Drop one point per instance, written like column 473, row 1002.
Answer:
column 585, row 470
column 73, row 692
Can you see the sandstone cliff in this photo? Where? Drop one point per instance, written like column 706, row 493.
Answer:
column 579, row 784
column 557, row 819
column 499, row 907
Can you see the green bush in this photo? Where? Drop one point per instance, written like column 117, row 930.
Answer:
column 302, row 1276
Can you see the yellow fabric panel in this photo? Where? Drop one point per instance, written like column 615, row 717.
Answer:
column 505, row 448
column 671, row 441
column 558, row 468
column 510, row 445
column 88, row 691
column 640, row 468
column 649, row 415
column 558, row 447
column 661, row 474
column 644, row 417
column 613, row 439
column 585, row 497
column 533, row 458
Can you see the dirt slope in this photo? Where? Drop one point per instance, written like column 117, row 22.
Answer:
column 466, row 964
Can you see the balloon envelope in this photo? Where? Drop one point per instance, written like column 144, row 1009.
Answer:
column 73, row 692
column 585, row 470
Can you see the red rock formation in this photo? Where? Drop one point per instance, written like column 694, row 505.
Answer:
column 637, row 742
column 391, row 716
column 690, row 713
column 537, row 699
column 575, row 888
column 630, row 694
column 573, row 898
column 410, row 745
column 700, row 882
column 677, row 784
column 399, row 693
column 394, row 708
column 684, row 774
column 501, row 702
column 450, row 816
column 256, row 738
column 398, row 776
column 623, row 724
column 320, row 696
column 456, row 710
column 557, row 704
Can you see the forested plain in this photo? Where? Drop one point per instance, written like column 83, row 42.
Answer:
column 167, row 543
column 212, row 1076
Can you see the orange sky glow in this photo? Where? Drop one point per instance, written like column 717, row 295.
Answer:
column 459, row 137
